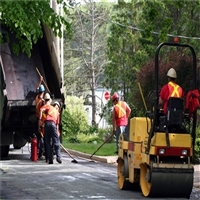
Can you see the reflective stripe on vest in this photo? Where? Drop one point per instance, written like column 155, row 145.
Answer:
column 53, row 113
column 38, row 105
column 44, row 116
column 174, row 90
column 120, row 108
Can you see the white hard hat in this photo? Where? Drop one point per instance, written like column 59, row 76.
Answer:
column 47, row 96
column 56, row 103
column 171, row 73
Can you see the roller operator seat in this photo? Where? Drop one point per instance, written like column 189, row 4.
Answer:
column 175, row 111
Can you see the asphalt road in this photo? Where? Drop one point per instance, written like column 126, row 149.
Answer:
column 22, row 178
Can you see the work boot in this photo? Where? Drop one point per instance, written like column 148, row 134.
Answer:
column 41, row 158
column 58, row 160
column 50, row 161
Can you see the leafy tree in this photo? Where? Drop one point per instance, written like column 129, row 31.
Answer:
column 124, row 51
column 25, row 18
column 151, row 22
column 86, row 51
column 161, row 18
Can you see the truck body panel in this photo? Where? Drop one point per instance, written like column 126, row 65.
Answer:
column 18, row 87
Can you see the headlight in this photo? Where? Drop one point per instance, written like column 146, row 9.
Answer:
column 161, row 151
column 184, row 152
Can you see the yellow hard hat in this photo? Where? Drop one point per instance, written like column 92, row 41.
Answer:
column 171, row 73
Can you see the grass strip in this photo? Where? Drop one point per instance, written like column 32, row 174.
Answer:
column 108, row 149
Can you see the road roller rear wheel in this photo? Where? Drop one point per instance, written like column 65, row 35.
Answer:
column 122, row 172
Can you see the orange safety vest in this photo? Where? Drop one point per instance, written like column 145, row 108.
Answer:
column 120, row 109
column 38, row 105
column 44, row 116
column 51, row 113
column 174, row 90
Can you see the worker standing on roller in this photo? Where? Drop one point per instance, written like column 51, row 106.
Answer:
column 121, row 113
column 39, row 102
column 50, row 129
column 171, row 89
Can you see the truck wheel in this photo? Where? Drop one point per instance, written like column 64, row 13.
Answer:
column 123, row 173
column 4, row 151
column 16, row 147
column 19, row 141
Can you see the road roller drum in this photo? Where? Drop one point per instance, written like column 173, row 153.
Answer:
column 166, row 182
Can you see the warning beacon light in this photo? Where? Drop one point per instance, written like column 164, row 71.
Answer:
column 176, row 39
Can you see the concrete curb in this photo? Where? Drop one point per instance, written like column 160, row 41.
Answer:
column 104, row 159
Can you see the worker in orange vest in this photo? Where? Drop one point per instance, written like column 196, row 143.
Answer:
column 56, row 105
column 121, row 113
column 50, row 129
column 39, row 102
column 171, row 89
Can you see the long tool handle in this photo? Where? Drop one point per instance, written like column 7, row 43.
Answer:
column 102, row 144
column 43, row 80
column 142, row 96
column 67, row 151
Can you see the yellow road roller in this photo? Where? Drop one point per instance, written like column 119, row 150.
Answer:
column 157, row 152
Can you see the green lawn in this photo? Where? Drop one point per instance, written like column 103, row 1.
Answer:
column 108, row 149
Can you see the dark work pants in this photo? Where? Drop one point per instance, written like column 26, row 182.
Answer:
column 119, row 130
column 40, row 144
column 51, row 133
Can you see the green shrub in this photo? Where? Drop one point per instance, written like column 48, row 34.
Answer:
column 74, row 118
column 103, row 133
column 88, row 138
column 72, row 139
column 197, row 144
column 197, row 150
column 90, row 130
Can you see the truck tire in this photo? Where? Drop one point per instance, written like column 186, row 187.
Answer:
column 4, row 150
column 19, row 141
column 16, row 147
